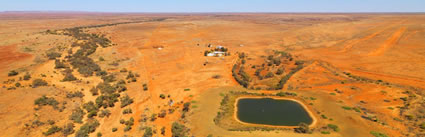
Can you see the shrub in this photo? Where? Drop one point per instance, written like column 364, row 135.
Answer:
column 162, row 114
column 106, row 88
column 333, row 127
column 78, row 94
column 346, row 108
column 17, row 84
column 43, row 101
column 325, row 132
column 52, row 130
column 108, row 78
column 38, row 82
column 104, row 113
column 94, row 91
column 12, row 73
column 27, row 76
column 269, row 75
column 69, row 77
column 279, row 71
column 145, row 87
column 178, row 130
column 378, row 134
column 59, row 64
column 186, row 106
column 302, row 128
column 125, row 101
column 163, row 131
column 53, row 55
column 422, row 125
column 127, row 111
column 77, row 115
column 68, row 129
column 162, row 96
column 148, row 132
column 87, row 128
column 99, row 134
column 91, row 108
column 107, row 100
column 114, row 129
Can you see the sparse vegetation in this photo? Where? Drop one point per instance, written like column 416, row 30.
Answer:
column 125, row 101
column 77, row 115
column 44, row 101
column 378, row 134
column 38, row 82
column 333, row 127
column 178, row 130
column 68, row 129
column 87, row 128
column 52, row 130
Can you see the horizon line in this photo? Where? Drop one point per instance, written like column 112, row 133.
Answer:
column 270, row 12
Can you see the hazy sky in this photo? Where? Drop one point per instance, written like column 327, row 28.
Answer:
column 215, row 5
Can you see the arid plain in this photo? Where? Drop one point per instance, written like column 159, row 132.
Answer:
column 364, row 73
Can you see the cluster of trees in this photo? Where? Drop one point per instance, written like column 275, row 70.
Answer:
column 77, row 94
column 44, row 101
column 240, row 76
column 282, row 82
column 127, row 124
column 87, row 128
column 178, row 130
column 53, row 55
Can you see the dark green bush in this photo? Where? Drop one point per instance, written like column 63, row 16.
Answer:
column 104, row 113
column 186, row 106
column 77, row 94
column 27, row 76
column 52, row 130
column 77, row 115
column 68, row 129
column 91, row 109
column 127, row 111
column 12, row 73
column 44, row 101
column 178, row 130
column 148, row 132
column 53, row 55
column 125, row 101
column 87, row 128
column 59, row 64
column 38, row 82
column 333, row 127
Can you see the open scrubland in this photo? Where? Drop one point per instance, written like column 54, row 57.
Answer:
column 109, row 74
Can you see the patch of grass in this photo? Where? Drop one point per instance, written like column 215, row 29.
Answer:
column 324, row 116
column 325, row 132
column 356, row 109
column 346, row 108
column 378, row 134
column 333, row 127
column 187, row 89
